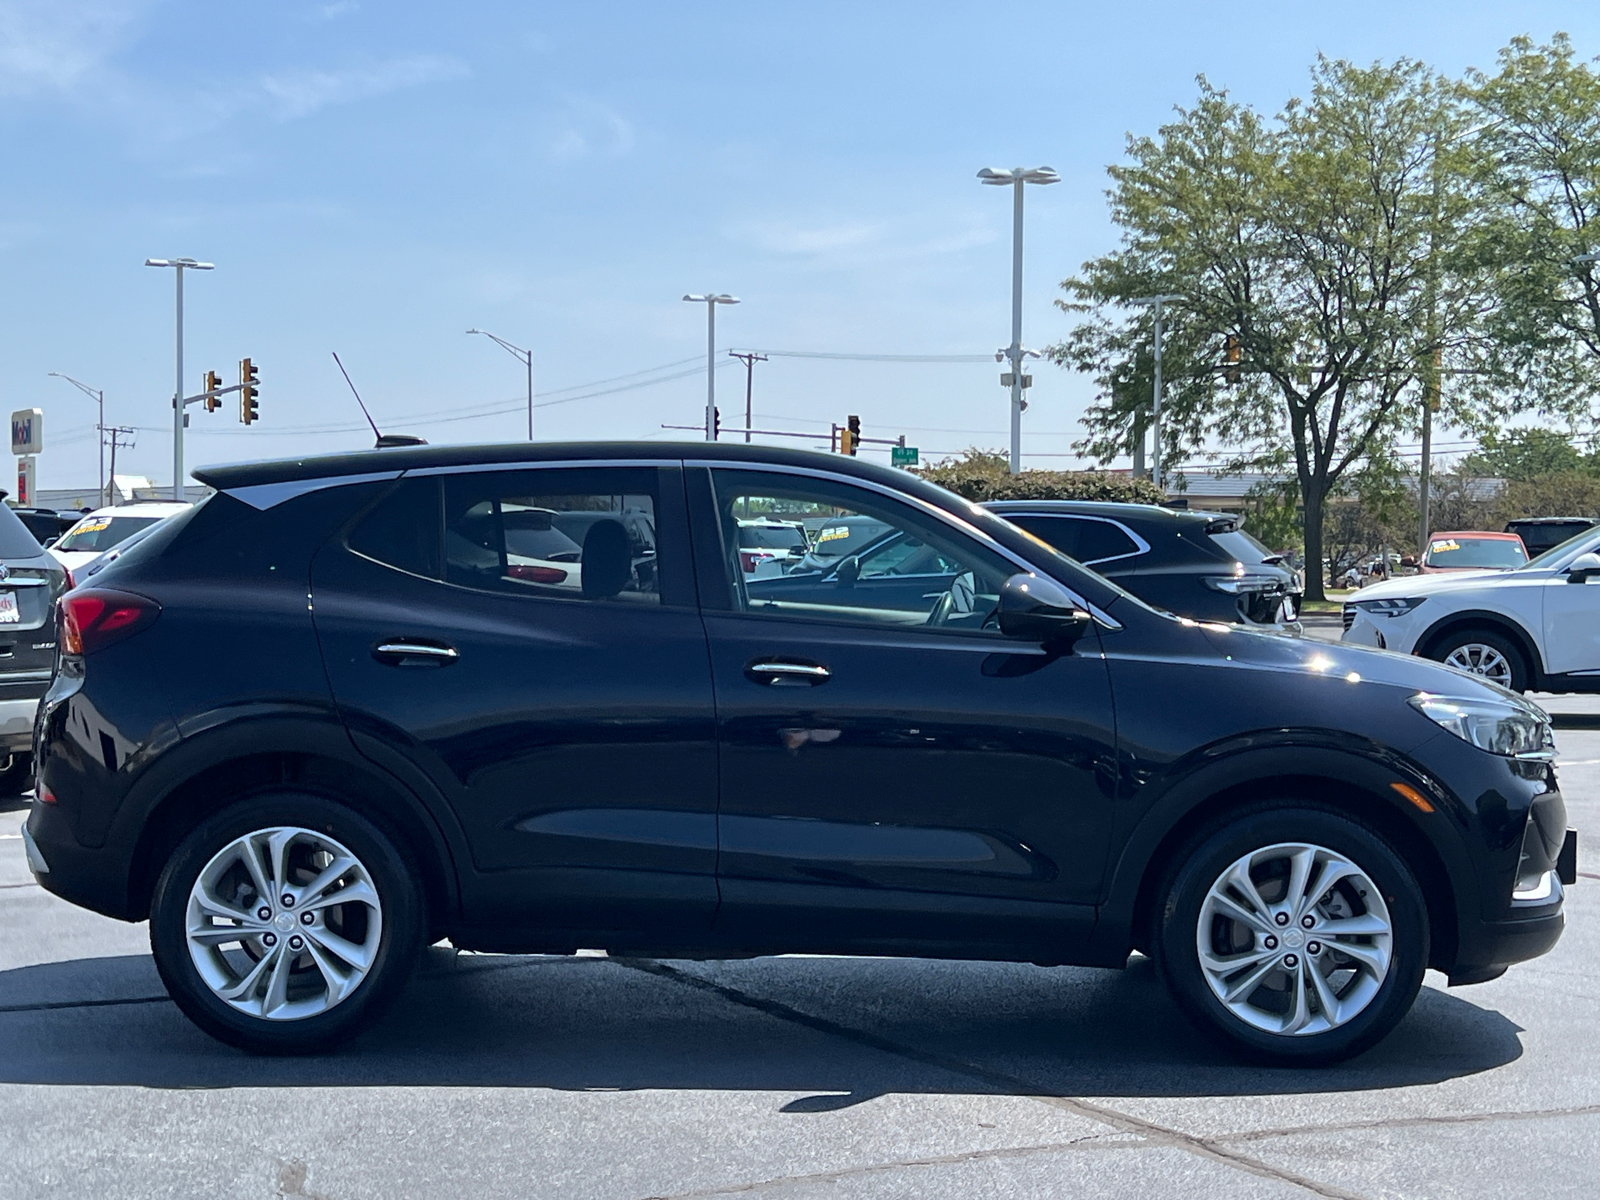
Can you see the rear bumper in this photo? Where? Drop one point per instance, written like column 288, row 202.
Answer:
column 96, row 879
column 16, row 724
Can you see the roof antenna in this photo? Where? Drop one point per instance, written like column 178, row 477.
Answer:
column 385, row 441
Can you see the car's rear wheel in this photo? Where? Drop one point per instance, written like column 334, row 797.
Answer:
column 1296, row 935
column 285, row 924
column 1485, row 652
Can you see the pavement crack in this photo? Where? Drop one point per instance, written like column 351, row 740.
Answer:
column 1538, row 1114
column 1005, row 1083
column 53, row 1005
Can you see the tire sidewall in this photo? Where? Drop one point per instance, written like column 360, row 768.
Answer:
column 1178, row 922
column 399, row 943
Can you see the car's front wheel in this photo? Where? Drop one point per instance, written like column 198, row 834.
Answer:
column 285, row 924
column 1485, row 652
column 1297, row 935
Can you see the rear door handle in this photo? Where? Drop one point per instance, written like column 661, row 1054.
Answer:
column 785, row 673
column 414, row 652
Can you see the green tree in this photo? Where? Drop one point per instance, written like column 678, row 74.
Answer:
column 1539, row 138
column 1330, row 242
column 1523, row 454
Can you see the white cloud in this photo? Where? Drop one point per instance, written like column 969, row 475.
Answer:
column 300, row 93
column 585, row 128
column 343, row 8
column 54, row 45
column 782, row 237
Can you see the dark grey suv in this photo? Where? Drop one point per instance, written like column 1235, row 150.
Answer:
column 30, row 581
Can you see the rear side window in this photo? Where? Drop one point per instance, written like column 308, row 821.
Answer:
column 1060, row 533
column 403, row 530
column 554, row 534
column 1100, row 540
column 15, row 540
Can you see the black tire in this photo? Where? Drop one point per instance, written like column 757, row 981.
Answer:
column 398, row 939
column 16, row 776
column 1176, row 932
column 1442, row 648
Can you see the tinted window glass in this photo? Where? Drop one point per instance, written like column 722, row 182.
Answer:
column 402, row 531
column 95, row 535
column 913, row 572
column 1060, row 533
column 15, row 540
column 1100, row 540
column 1242, row 547
column 771, row 537
column 561, row 535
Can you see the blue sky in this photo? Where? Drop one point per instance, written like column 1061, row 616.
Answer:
column 376, row 178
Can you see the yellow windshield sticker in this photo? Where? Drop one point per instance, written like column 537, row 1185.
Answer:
column 1439, row 547
column 93, row 526
column 833, row 534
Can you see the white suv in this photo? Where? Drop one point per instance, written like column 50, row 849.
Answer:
column 1533, row 628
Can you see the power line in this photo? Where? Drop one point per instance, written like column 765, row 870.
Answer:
column 905, row 358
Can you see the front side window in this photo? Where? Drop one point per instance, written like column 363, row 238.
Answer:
column 889, row 565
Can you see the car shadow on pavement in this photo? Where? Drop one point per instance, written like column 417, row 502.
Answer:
column 844, row 1029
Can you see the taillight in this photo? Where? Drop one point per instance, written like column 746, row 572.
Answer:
column 537, row 574
column 94, row 618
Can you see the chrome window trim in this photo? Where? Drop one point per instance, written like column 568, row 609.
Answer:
column 565, row 464
column 932, row 510
column 1144, row 546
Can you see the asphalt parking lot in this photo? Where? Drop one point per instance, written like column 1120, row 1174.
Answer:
column 793, row 1077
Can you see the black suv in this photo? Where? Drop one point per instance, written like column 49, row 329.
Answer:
column 333, row 714
column 30, row 582
column 1196, row 564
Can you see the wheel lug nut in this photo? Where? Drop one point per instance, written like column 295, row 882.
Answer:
column 1313, row 947
column 1282, row 918
column 1270, row 942
column 264, row 913
column 296, row 942
column 1308, row 920
column 1290, row 960
column 287, row 900
column 306, row 918
column 270, row 939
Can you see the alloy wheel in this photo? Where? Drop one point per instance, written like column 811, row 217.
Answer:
column 1481, row 659
column 283, row 923
column 1294, row 939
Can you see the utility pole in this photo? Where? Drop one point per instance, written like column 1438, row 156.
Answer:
column 179, row 265
column 1435, row 372
column 711, row 300
column 1155, row 303
column 120, row 435
column 750, row 359
column 1017, row 177
column 99, row 397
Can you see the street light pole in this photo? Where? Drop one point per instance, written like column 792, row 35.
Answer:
column 1155, row 303
column 179, row 265
column 523, row 356
column 711, row 300
column 1017, row 177
column 99, row 397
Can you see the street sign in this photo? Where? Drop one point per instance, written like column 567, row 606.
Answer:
column 26, row 471
column 902, row 456
column 27, row 431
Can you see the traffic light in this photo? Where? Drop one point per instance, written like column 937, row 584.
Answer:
column 716, row 423
column 1230, row 358
column 213, row 382
column 249, row 410
column 850, row 435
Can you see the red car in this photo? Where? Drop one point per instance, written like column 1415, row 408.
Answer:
column 1472, row 550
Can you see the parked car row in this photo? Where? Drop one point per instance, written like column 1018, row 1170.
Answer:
column 936, row 735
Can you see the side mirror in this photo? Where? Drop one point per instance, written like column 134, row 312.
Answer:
column 51, row 541
column 849, row 571
column 1580, row 568
column 1040, row 610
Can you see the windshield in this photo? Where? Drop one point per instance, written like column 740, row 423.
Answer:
column 1474, row 552
column 771, row 537
column 834, row 541
column 1587, row 540
column 95, row 535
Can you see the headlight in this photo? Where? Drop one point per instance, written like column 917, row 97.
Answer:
column 1236, row 584
column 1387, row 608
column 1498, row 726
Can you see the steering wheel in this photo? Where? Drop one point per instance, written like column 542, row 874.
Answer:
column 957, row 601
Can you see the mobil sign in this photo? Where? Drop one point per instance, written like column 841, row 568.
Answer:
column 27, row 431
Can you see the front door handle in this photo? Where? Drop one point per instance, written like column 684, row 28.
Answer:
column 414, row 652
column 787, row 673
